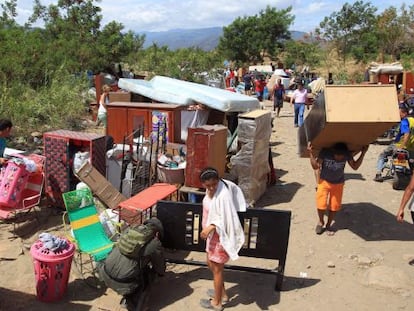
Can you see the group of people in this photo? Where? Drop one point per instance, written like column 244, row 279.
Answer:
column 221, row 229
column 298, row 99
column 223, row 199
column 255, row 81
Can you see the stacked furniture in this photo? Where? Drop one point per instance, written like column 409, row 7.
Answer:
column 251, row 163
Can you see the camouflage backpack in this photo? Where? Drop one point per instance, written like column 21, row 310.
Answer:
column 133, row 240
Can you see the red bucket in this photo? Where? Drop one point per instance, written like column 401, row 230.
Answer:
column 52, row 269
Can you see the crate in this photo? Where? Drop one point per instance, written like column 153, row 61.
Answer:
column 77, row 199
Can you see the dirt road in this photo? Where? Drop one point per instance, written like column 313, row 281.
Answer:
column 364, row 266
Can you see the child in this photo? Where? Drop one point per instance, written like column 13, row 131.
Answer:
column 331, row 164
column 103, row 101
column 221, row 229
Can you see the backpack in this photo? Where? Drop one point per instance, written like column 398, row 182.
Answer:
column 133, row 240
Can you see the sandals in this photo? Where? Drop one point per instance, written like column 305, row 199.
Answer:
column 211, row 294
column 206, row 304
column 319, row 229
column 330, row 231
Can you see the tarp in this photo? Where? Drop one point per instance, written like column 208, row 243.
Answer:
column 273, row 79
column 261, row 68
column 183, row 93
column 317, row 85
column 393, row 68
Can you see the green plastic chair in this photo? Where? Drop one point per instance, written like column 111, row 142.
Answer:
column 88, row 232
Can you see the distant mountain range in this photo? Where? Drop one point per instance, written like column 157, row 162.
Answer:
column 205, row 38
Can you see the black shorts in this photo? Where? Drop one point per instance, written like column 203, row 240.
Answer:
column 278, row 102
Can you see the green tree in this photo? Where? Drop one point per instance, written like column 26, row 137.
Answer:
column 390, row 30
column 348, row 28
column 274, row 26
column 249, row 39
column 395, row 31
column 71, row 29
column 9, row 13
column 302, row 53
column 185, row 64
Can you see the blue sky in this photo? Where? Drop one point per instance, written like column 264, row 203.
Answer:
column 160, row 15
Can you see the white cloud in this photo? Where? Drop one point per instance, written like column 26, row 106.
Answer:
column 159, row 15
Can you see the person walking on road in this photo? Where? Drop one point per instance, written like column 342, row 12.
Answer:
column 331, row 164
column 300, row 97
column 278, row 95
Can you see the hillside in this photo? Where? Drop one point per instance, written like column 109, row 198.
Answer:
column 204, row 38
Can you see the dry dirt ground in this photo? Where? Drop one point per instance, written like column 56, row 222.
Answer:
column 365, row 266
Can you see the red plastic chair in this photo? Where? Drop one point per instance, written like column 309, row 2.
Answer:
column 31, row 194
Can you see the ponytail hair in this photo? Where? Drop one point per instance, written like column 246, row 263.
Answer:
column 209, row 173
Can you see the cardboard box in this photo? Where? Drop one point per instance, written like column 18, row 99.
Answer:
column 255, row 125
column 354, row 114
column 100, row 186
column 119, row 97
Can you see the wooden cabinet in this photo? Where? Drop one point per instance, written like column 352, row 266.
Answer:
column 137, row 118
column 125, row 117
column 206, row 146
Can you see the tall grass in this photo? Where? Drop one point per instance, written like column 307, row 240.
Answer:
column 60, row 104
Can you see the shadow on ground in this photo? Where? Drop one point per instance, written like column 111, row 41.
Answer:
column 278, row 193
column 280, row 172
column 275, row 154
column 249, row 288
column 275, row 143
column 355, row 176
column 372, row 223
column 26, row 224
column 15, row 300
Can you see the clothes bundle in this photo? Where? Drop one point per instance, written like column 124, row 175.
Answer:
column 52, row 242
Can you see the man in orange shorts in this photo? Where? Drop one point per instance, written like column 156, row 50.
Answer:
column 330, row 163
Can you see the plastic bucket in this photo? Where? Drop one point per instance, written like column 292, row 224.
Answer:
column 52, row 269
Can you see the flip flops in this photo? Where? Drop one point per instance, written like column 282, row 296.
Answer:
column 319, row 229
column 330, row 231
column 206, row 304
column 211, row 294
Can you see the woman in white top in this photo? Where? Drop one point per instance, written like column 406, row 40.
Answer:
column 300, row 96
column 102, row 105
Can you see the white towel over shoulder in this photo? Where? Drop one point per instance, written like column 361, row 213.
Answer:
column 227, row 201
